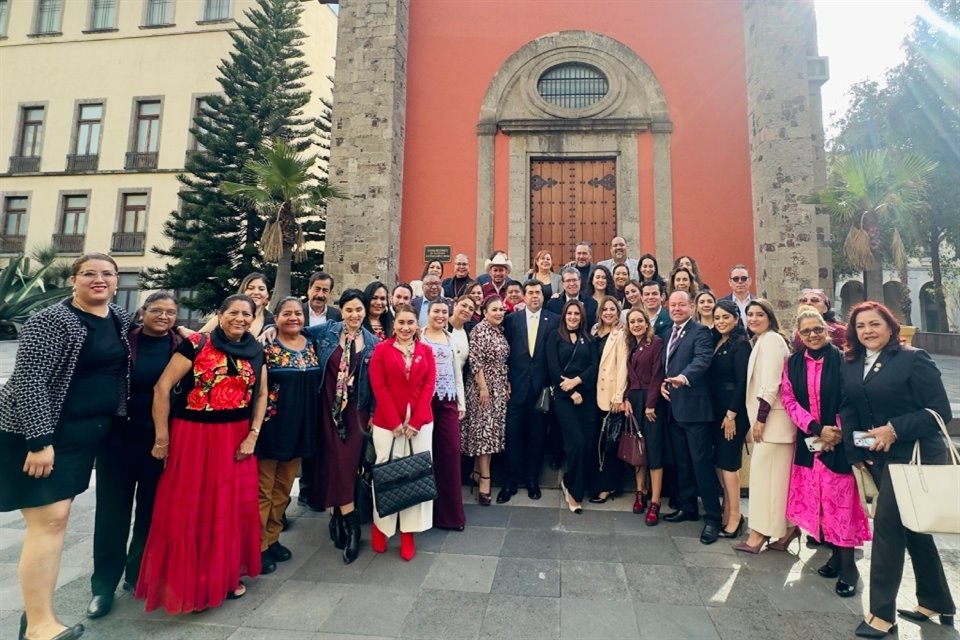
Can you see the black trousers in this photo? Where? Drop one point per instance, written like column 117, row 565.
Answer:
column 125, row 470
column 890, row 540
column 576, row 424
column 693, row 448
column 524, row 439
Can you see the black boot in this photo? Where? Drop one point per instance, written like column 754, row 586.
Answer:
column 351, row 549
column 337, row 533
column 849, row 575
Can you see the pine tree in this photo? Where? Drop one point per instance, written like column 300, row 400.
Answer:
column 215, row 238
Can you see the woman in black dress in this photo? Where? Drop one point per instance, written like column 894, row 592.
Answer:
column 125, row 468
column 344, row 349
column 69, row 381
column 572, row 366
column 290, row 433
column 728, row 388
column 378, row 319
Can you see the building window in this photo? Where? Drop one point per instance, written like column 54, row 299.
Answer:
column 4, row 10
column 200, row 121
column 187, row 317
column 48, row 16
column 14, row 230
column 133, row 215
column 89, row 120
column 103, row 15
column 128, row 291
column 216, row 10
column 159, row 13
column 73, row 224
column 31, row 132
column 573, row 85
column 148, row 126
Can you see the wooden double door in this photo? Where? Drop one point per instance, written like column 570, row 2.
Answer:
column 572, row 201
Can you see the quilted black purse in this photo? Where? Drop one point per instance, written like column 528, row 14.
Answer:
column 400, row 483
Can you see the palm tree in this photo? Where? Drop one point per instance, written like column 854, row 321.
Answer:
column 877, row 194
column 23, row 293
column 281, row 188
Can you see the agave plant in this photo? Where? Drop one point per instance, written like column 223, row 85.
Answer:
column 22, row 294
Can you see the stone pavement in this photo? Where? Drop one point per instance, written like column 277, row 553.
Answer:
column 517, row 571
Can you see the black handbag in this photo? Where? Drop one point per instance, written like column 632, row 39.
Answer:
column 609, row 436
column 545, row 400
column 402, row 483
column 363, row 490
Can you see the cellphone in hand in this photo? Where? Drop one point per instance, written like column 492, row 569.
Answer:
column 862, row 440
column 814, row 444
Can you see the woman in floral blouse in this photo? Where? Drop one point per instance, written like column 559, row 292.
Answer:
column 205, row 532
column 293, row 409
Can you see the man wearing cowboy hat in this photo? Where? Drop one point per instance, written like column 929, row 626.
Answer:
column 498, row 269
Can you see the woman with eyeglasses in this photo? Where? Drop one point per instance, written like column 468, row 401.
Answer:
column 125, row 468
column 819, row 300
column 69, row 381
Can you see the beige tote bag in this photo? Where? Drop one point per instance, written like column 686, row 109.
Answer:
column 928, row 495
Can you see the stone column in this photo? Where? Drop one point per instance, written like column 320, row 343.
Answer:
column 662, row 193
column 366, row 155
column 782, row 122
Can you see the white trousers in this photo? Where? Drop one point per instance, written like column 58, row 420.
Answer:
column 418, row 517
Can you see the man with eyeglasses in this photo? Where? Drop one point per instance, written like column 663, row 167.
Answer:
column 618, row 249
column 570, row 277
column 739, row 288
column 455, row 286
column 431, row 291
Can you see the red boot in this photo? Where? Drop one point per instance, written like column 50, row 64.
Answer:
column 653, row 514
column 407, row 547
column 377, row 540
column 640, row 504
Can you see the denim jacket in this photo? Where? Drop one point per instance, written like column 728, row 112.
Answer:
column 326, row 339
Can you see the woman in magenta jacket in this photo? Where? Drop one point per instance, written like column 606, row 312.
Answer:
column 402, row 377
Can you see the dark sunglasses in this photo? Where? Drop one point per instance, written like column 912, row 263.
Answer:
column 814, row 330
column 739, row 278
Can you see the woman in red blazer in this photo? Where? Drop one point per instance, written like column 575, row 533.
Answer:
column 402, row 377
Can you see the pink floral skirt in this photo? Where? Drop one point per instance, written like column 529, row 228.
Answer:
column 823, row 502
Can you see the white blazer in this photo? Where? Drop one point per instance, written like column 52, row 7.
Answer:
column 764, row 372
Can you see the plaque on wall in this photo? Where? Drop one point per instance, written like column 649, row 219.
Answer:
column 439, row 252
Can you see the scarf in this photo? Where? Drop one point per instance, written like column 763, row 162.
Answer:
column 344, row 382
column 247, row 348
column 830, row 384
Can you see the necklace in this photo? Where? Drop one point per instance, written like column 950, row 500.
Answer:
column 77, row 304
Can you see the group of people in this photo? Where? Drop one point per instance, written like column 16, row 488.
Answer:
column 208, row 430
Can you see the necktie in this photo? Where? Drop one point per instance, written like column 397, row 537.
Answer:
column 532, row 333
column 673, row 338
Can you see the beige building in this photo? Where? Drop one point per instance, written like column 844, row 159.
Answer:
column 97, row 102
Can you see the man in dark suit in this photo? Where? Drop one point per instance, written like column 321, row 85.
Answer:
column 652, row 294
column 526, row 332
column 431, row 291
column 739, row 288
column 317, row 310
column 570, row 277
column 686, row 361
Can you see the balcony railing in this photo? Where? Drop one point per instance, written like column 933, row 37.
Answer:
column 140, row 161
column 129, row 242
column 68, row 243
column 12, row 244
column 24, row 164
column 83, row 163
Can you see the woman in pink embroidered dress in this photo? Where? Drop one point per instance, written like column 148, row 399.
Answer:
column 823, row 498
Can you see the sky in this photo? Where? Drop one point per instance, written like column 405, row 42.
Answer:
column 865, row 55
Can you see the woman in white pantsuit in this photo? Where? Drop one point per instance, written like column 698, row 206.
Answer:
column 772, row 433
column 402, row 377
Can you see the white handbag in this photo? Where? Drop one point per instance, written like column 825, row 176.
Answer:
column 928, row 495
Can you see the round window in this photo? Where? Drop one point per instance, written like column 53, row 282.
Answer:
column 573, row 85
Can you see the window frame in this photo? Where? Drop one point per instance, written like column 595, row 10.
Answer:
column 64, row 210
column 4, row 17
column 171, row 18
column 126, row 292
column 138, row 102
column 22, row 130
column 79, row 122
column 92, row 15
column 140, row 212
column 38, row 12
column 23, row 215
column 205, row 18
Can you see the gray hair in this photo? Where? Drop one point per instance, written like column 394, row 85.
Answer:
column 572, row 270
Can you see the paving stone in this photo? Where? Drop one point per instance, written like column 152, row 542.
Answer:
column 521, row 617
column 371, row 610
column 582, row 618
column 326, row 565
column 527, row 577
column 752, row 624
column 662, row 622
column 627, row 523
column 661, row 584
column 431, row 540
column 533, row 518
column 589, row 546
column 646, row 550
column 125, row 629
column 479, row 541
column 521, row 543
column 298, row 606
column 800, row 592
column 446, row 615
column 461, row 573
column 252, row 633
column 593, row 580
column 590, row 521
column 492, row 516
column 390, row 570
column 730, row 588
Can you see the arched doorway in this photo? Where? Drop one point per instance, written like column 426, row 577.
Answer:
column 850, row 294
column 929, row 318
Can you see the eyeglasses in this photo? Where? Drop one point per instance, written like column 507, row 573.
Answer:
column 106, row 275
column 739, row 278
column 162, row 313
column 814, row 330
column 462, row 264
column 813, row 300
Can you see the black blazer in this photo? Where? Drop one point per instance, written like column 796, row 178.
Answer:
column 899, row 388
column 528, row 375
column 563, row 361
column 333, row 314
column 691, row 357
column 555, row 305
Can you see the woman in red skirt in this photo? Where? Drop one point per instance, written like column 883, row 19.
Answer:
column 205, row 531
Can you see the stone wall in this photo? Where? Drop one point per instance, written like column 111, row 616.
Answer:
column 786, row 149
column 366, row 158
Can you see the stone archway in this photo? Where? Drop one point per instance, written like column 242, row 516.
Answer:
column 851, row 293
column 634, row 104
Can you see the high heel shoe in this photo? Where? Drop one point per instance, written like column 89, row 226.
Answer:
column 483, row 499
column 598, row 500
column 474, row 481
column 946, row 619
column 783, row 544
column 735, row 533
column 566, row 496
column 747, row 548
column 866, row 630
column 378, row 541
